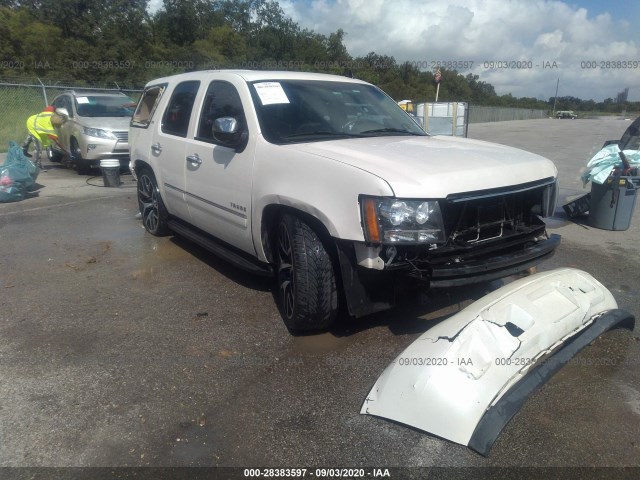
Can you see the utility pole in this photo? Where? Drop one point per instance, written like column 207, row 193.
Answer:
column 555, row 99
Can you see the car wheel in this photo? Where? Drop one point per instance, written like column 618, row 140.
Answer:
column 307, row 294
column 76, row 158
column 154, row 214
column 53, row 155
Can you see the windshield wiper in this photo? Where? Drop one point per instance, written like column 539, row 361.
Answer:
column 391, row 130
column 321, row 134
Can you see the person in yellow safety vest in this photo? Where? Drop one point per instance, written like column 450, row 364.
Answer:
column 41, row 129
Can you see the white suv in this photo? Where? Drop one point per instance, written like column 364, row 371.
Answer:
column 327, row 184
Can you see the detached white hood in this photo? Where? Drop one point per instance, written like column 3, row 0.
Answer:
column 427, row 167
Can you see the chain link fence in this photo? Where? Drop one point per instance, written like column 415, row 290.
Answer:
column 21, row 98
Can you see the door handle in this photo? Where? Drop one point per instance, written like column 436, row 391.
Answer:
column 195, row 159
column 156, row 149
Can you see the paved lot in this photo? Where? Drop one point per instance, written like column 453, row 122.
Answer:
column 121, row 349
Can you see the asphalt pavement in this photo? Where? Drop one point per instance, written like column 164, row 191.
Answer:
column 121, row 349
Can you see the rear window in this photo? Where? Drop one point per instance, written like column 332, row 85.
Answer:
column 147, row 106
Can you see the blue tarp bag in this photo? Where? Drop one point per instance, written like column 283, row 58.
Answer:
column 17, row 175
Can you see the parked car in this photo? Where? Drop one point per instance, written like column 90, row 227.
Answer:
column 327, row 184
column 96, row 127
column 630, row 139
column 566, row 114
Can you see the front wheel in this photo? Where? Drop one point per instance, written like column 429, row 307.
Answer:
column 53, row 155
column 154, row 214
column 307, row 294
column 76, row 158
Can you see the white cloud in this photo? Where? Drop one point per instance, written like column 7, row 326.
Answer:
column 539, row 31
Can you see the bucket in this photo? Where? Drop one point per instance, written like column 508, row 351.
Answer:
column 110, row 172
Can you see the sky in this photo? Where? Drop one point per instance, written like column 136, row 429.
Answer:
column 521, row 47
column 589, row 49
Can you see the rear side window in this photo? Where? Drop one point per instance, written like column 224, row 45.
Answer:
column 176, row 117
column 147, row 106
column 222, row 100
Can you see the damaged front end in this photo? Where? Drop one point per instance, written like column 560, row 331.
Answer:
column 454, row 241
column 464, row 238
column 466, row 377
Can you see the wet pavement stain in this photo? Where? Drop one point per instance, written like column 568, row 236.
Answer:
column 318, row 344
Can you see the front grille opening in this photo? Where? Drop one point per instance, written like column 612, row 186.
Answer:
column 491, row 218
column 480, row 223
column 123, row 137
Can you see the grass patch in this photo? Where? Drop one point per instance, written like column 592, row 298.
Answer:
column 18, row 104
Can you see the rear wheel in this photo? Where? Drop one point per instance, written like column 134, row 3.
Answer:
column 154, row 214
column 307, row 294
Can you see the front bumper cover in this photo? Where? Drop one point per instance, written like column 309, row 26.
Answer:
column 465, row 378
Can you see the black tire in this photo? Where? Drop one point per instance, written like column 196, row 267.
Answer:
column 154, row 213
column 53, row 155
column 76, row 158
column 307, row 294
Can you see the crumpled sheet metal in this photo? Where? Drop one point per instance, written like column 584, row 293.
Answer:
column 453, row 375
column 600, row 166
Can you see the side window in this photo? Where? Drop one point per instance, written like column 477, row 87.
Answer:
column 64, row 102
column 176, row 117
column 68, row 105
column 222, row 100
column 147, row 106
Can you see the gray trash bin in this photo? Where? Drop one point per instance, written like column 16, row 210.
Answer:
column 612, row 203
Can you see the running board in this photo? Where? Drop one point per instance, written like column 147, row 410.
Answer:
column 219, row 249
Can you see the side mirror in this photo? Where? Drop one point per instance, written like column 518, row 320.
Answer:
column 226, row 131
column 63, row 112
column 611, row 142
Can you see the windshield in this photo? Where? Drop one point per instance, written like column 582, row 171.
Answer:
column 104, row 106
column 292, row 111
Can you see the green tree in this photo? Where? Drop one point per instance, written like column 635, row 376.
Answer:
column 182, row 22
column 28, row 46
column 336, row 50
column 222, row 46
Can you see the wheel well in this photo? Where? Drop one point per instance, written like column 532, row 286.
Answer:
column 270, row 216
column 73, row 143
column 139, row 165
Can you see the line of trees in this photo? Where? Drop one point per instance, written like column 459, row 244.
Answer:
column 120, row 40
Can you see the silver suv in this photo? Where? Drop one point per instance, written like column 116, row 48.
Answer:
column 96, row 127
column 566, row 114
column 327, row 184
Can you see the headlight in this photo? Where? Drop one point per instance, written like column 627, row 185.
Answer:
column 98, row 132
column 394, row 220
